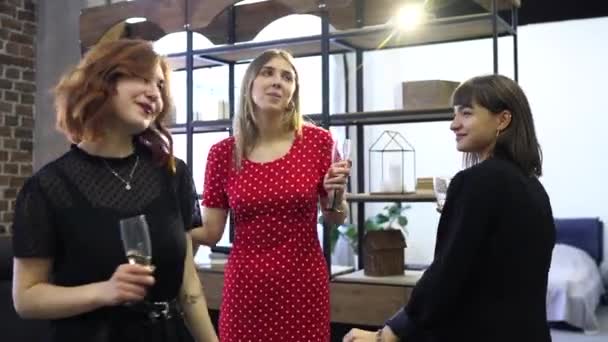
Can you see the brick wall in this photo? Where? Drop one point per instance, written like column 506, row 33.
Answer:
column 17, row 90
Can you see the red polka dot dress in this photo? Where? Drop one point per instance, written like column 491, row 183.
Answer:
column 276, row 283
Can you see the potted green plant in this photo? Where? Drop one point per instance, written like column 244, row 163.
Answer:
column 391, row 217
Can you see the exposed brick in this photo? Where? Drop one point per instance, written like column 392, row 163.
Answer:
column 29, row 5
column 10, row 23
column 17, row 90
column 6, row 84
column 28, row 75
column 20, row 157
column 18, row 61
column 25, row 87
column 27, row 110
column 27, row 99
column 21, row 38
column 29, row 29
column 5, row 131
column 12, row 72
column 9, row 143
column 8, row 10
column 23, row 133
column 11, row 96
column 12, row 49
column 10, row 169
column 17, row 182
column 8, row 216
column 26, row 16
column 26, row 51
column 15, row 3
column 25, row 169
column 6, row 107
column 10, row 120
column 4, row 32
column 26, row 145
column 26, row 122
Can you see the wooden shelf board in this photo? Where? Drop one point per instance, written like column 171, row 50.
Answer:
column 426, row 196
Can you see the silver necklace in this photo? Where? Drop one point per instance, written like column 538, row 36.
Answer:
column 127, row 183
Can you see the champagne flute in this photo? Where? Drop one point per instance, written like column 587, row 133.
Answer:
column 440, row 187
column 135, row 236
column 336, row 157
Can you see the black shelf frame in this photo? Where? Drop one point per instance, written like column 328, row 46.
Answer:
column 324, row 45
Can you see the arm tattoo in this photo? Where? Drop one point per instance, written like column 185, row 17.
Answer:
column 191, row 299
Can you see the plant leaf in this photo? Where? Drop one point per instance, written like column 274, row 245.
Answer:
column 381, row 218
column 402, row 221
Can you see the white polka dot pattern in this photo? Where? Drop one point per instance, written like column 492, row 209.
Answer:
column 276, row 283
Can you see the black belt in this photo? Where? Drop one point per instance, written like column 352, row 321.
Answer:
column 156, row 311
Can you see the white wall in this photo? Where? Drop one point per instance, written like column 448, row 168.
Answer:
column 562, row 69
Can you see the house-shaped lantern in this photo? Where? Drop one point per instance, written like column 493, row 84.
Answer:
column 391, row 164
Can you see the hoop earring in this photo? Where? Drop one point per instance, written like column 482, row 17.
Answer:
column 290, row 107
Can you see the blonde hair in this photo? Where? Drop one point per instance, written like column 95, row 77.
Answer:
column 244, row 124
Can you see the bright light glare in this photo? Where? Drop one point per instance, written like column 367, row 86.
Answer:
column 410, row 16
column 135, row 20
column 247, row 2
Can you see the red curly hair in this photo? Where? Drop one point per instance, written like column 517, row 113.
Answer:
column 83, row 96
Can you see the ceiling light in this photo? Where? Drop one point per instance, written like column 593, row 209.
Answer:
column 135, row 20
column 410, row 16
column 248, row 2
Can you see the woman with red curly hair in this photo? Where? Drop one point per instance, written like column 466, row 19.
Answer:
column 70, row 265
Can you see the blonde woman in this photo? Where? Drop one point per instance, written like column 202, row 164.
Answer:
column 272, row 174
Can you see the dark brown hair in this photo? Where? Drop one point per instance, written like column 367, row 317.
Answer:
column 518, row 141
column 83, row 95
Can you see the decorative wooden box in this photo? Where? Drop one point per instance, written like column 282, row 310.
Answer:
column 431, row 94
column 383, row 253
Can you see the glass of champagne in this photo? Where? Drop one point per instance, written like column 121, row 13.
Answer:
column 136, row 240
column 336, row 157
column 440, row 187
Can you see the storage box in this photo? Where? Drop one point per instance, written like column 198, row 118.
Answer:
column 432, row 94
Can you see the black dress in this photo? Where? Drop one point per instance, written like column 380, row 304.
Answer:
column 69, row 211
column 488, row 280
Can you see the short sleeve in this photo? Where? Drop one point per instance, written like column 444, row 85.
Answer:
column 34, row 233
column 188, row 197
column 325, row 155
column 216, row 174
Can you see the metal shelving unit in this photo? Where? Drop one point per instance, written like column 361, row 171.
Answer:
column 358, row 40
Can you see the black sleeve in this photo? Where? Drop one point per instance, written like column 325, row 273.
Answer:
column 34, row 233
column 470, row 208
column 189, row 199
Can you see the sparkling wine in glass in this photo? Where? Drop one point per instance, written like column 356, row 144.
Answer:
column 336, row 157
column 440, row 187
column 136, row 240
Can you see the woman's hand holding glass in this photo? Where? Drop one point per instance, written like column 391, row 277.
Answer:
column 131, row 280
column 128, row 284
column 337, row 175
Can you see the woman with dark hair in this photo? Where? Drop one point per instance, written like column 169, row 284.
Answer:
column 488, row 280
column 272, row 174
column 70, row 265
